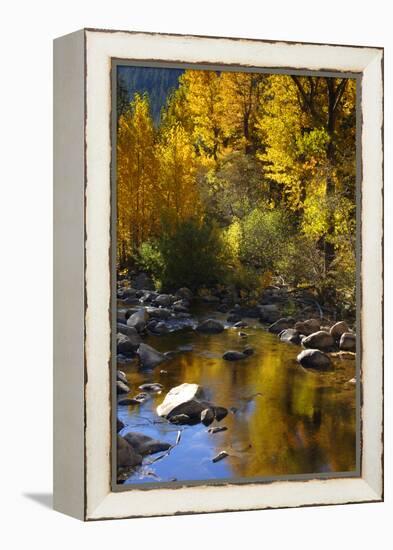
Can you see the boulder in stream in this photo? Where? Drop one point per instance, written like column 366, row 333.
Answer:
column 207, row 416
column 162, row 313
column 124, row 345
column 290, row 335
column 308, row 327
column 314, row 359
column 138, row 320
column 145, row 445
column 185, row 404
column 184, row 293
column 348, row 342
column 163, row 300
column 121, row 387
column 281, row 324
column 149, row 357
column 233, row 355
column 126, row 456
column 319, row 340
column 130, row 332
column 210, row 326
column 178, row 396
column 338, row 329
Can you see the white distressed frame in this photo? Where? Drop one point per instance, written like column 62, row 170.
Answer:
column 100, row 48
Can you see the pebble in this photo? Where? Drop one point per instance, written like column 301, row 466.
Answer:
column 220, row 456
column 216, row 429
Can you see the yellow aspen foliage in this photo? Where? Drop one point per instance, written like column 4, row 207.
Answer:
column 136, row 176
column 177, row 187
column 241, row 95
column 203, row 92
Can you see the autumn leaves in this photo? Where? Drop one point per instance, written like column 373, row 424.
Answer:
column 229, row 143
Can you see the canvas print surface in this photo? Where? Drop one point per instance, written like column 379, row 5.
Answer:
column 235, row 272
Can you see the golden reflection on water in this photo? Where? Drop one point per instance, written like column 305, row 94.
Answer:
column 302, row 423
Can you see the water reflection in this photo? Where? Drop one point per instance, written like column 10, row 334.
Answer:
column 283, row 420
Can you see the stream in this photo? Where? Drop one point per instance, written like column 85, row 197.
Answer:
column 282, row 419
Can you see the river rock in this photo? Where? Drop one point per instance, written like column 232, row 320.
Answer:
column 152, row 387
column 319, row 340
column 220, row 413
column 348, row 342
column 248, row 350
column 180, row 419
column 126, row 293
column 179, row 307
column 338, row 329
column 308, row 327
column 210, row 326
column 141, row 397
column 131, row 333
column 233, row 355
column 158, row 313
column 120, row 375
column 184, row 404
column 179, row 395
column 290, row 335
column 148, row 297
column 314, row 359
column 126, row 456
column 149, row 357
column 184, row 293
column 138, row 320
column 207, row 416
column 281, row 324
column 216, row 429
column 145, row 445
column 240, row 324
column 191, row 409
column 163, row 300
column 220, row 456
column 124, row 344
column 119, row 425
column 234, row 318
column 121, row 387
column 143, row 282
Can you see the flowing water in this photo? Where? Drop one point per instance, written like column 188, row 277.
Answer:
column 283, row 420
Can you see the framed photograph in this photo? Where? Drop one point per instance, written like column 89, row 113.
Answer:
column 218, row 274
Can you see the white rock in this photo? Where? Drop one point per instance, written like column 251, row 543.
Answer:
column 177, row 396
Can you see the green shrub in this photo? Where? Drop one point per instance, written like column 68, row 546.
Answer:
column 265, row 237
column 150, row 259
column 192, row 254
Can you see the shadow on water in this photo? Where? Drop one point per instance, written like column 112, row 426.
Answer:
column 283, row 420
